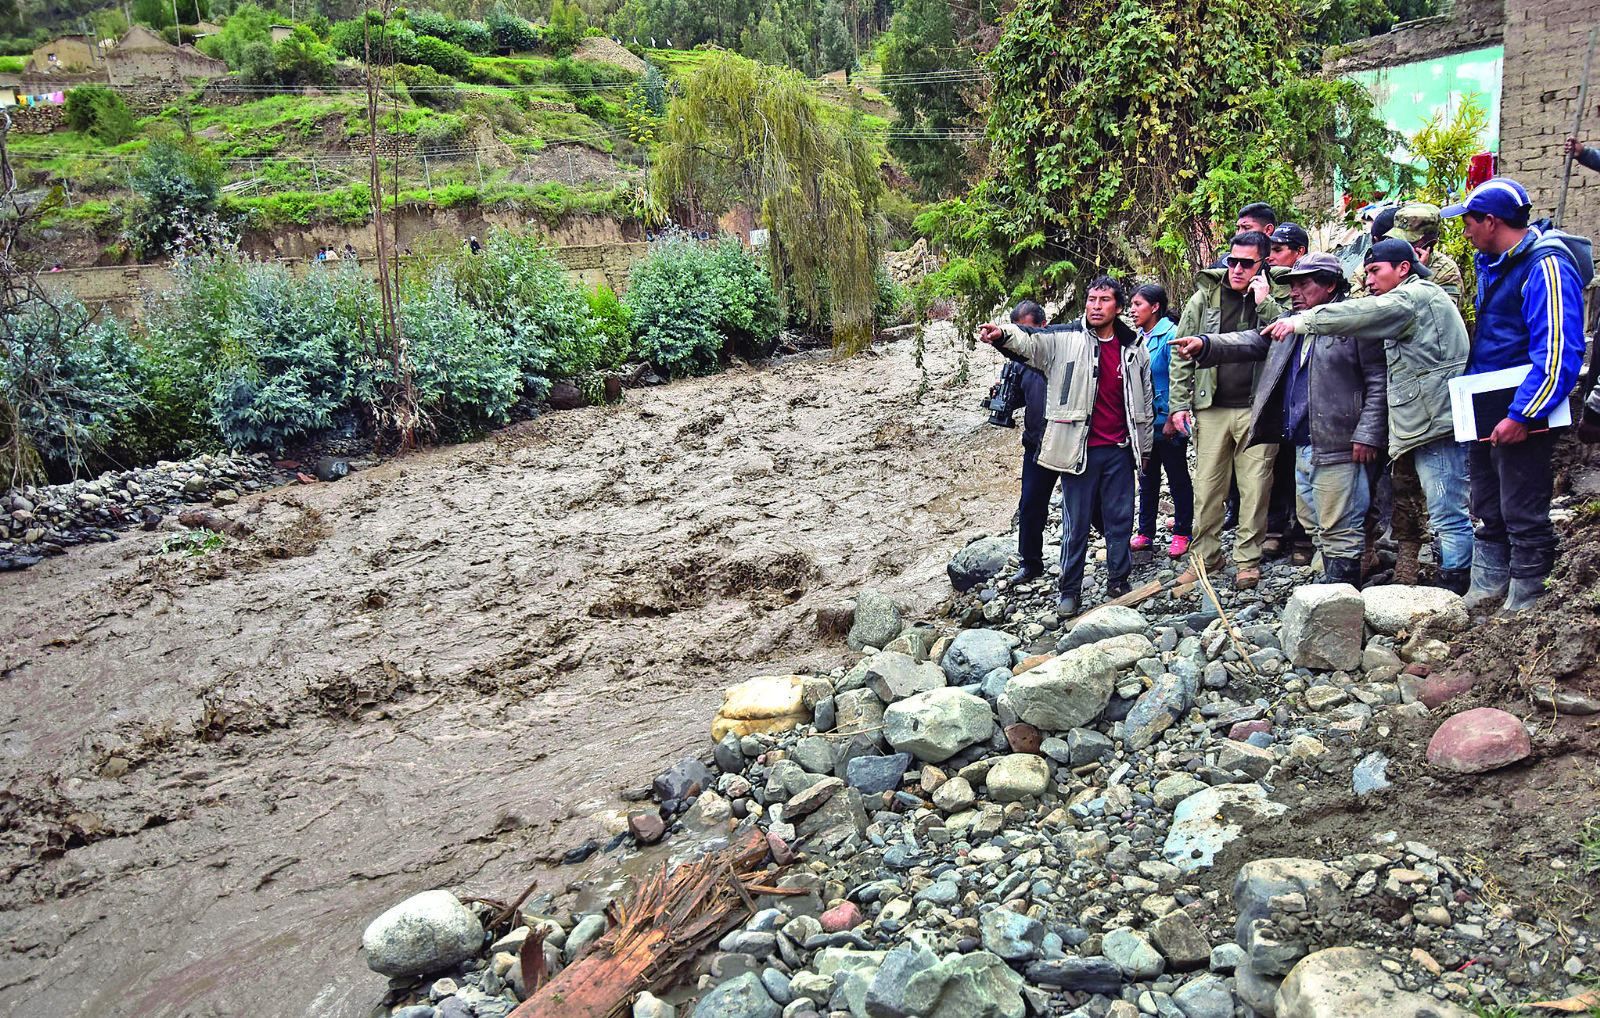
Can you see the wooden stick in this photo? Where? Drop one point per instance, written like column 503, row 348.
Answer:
column 1577, row 125
column 1127, row 600
column 1227, row 627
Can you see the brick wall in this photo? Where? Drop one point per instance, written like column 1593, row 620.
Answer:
column 1545, row 42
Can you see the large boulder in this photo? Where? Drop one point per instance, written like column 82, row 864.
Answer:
column 1011, row 935
column 1347, row 982
column 1129, row 951
column 979, row 562
column 1477, row 740
column 895, row 676
column 975, row 653
column 938, row 724
column 877, row 621
column 1323, row 626
column 1210, row 819
column 1389, row 609
column 1065, row 692
column 1103, row 623
column 976, row 985
column 426, row 933
column 768, row 703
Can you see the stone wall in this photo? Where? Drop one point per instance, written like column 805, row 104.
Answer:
column 1545, row 42
column 1473, row 24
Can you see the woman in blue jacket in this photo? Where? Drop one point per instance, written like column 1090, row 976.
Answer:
column 1150, row 316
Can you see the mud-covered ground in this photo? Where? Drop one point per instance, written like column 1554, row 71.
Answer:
column 435, row 673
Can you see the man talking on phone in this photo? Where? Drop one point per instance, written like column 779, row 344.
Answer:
column 1213, row 406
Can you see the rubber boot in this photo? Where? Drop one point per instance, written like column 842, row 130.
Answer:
column 1405, row 563
column 1342, row 570
column 1525, row 593
column 1491, row 577
column 1455, row 580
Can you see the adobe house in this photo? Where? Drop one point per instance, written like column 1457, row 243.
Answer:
column 143, row 56
column 68, row 54
column 280, row 32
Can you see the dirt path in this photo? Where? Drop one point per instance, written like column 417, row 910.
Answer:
column 435, row 672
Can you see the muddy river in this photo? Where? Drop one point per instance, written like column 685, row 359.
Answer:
column 438, row 672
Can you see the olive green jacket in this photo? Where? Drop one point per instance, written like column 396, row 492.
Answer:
column 1192, row 388
column 1425, row 344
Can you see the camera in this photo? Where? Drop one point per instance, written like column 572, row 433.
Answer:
column 1005, row 396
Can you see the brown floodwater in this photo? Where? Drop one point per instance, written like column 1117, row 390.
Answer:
column 440, row 672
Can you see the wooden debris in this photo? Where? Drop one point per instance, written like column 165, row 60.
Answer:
column 1127, row 600
column 655, row 939
column 1582, row 1002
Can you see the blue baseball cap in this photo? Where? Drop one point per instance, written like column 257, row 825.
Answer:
column 1500, row 197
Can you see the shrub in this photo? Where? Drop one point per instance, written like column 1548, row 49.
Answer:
column 427, row 87
column 439, row 134
column 101, row 113
column 568, row 25
column 394, row 43
column 466, row 378
column 615, row 324
column 179, row 188
column 444, row 57
column 67, row 388
column 691, row 303
column 510, row 32
column 302, row 59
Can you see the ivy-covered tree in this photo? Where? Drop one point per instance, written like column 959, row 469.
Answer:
column 743, row 131
column 1125, row 133
column 922, row 41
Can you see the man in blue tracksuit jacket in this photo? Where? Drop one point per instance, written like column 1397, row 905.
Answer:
column 1530, row 312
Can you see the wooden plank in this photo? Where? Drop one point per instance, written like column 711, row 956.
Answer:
column 1127, row 600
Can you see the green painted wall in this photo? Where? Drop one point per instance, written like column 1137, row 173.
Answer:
column 1408, row 95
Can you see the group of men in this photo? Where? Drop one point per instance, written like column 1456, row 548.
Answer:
column 1305, row 406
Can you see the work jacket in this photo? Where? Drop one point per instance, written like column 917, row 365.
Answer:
column 1347, row 386
column 1193, row 388
column 1424, row 342
column 1069, row 357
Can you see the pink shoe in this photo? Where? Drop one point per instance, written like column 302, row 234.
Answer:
column 1179, row 546
column 1139, row 542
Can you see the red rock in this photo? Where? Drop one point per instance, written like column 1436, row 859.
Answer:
column 1445, row 686
column 782, row 854
column 841, row 918
column 1031, row 662
column 1419, row 669
column 1242, row 730
column 305, row 478
column 1023, row 737
column 1479, row 740
column 647, row 828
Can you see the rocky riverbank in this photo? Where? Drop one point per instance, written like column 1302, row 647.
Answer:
column 1155, row 811
column 37, row 521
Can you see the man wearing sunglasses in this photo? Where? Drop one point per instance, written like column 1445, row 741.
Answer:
column 1213, row 405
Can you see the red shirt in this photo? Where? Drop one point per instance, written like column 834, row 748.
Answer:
column 1109, row 424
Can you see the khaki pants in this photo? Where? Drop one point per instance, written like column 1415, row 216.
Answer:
column 1221, row 456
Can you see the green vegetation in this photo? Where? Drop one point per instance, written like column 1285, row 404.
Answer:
column 178, row 206
column 101, row 112
column 922, row 39
column 691, row 305
column 193, row 542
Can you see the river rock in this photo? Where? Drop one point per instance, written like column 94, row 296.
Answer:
column 741, row 997
column 1389, row 609
column 1011, row 935
column 1206, row 997
column 974, row 654
column 976, row 985
column 1323, row 626
column 1347, row 982
column 894, row 676
column 938, row 724
column 877, row 621
column 1166, row 701
column 1174, row 788
column 1091, row 975
column 1439, row 688
column 979, row 562
column 874, row 775
column 1180, row 942
column 691, row 777
column 813, row 753
column 426, row 933
column 1068, row 691
column 1132, row 954
column 1207, row 820
column 886, row 992
column 1016, row 776
column 1102, row 623
column 648, row 1005
column 954, row 795
column 858, row 710
column 769, row 703
column 1479, row 740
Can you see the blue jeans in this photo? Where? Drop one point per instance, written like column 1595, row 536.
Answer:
column 1171, row 455
column 1107, row 472
column 1335, row 496
column 1442, row 469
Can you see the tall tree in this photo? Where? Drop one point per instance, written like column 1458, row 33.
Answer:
column 742, row 131
column 920, row 44
column 838, row 47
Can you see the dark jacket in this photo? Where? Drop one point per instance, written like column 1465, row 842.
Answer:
column 1189, row 388
column 1034, row 393
column 1348, row 399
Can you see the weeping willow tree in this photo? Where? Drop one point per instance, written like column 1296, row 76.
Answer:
column 744, row 131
